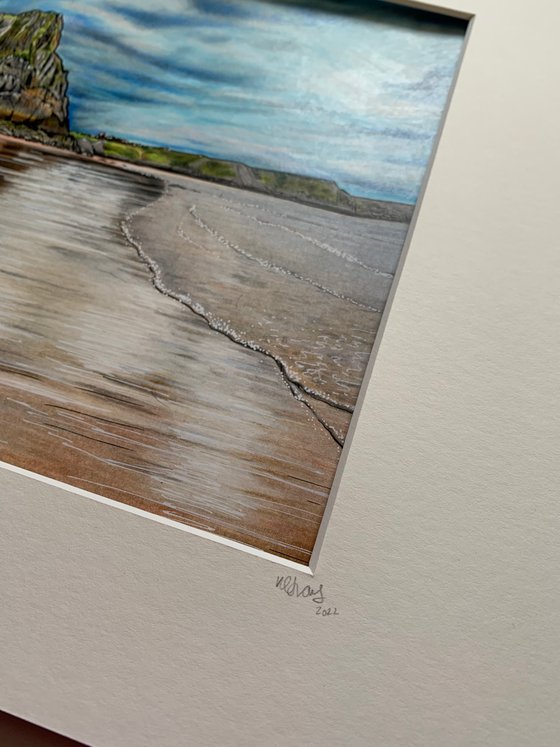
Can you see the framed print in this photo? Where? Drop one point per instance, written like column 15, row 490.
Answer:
column 427, row 615
column 198, row 255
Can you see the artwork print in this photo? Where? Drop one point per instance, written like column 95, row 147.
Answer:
column 202, row 210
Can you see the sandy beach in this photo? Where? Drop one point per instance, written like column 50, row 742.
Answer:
column 187, row 348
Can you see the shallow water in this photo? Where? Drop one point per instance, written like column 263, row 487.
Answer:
column 110, row 385
column 303, row 285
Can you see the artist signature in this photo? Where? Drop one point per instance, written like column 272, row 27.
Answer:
column 293, row 587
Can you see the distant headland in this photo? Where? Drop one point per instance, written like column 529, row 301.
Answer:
column 34, row 106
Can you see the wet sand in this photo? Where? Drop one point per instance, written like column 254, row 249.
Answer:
column 279, row 277
column 132, row 316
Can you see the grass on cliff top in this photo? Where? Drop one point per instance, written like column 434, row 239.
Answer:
column 193, row 164
column 293, row 184
column 212, row 168
column 172, row 159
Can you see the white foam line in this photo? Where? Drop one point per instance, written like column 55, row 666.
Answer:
column 320, row 244
column 160, row 519
column 218, row 325
column 265, row 263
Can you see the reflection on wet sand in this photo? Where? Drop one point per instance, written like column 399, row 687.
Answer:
column 116, row 388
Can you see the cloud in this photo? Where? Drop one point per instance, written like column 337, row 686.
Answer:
column 158, row 19
column 352, row 90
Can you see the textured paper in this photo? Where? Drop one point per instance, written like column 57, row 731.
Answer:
column 441, row 555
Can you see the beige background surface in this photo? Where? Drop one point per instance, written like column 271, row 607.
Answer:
column 442, row 555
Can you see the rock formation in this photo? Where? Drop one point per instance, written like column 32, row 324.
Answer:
column 33, row 81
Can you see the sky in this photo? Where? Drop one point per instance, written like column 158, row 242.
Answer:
column 352, row 91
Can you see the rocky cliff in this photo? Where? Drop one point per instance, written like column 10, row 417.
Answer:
column 33, row 81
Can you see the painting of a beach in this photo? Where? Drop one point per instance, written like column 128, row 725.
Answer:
column 202, row 211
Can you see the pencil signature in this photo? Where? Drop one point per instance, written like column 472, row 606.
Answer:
column 292, row 587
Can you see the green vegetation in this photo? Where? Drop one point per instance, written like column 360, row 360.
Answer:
column 33, row 77
column 293, row 184
column 191, row 163
column 35, row 134
column 26, row 34
column 217, row 169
